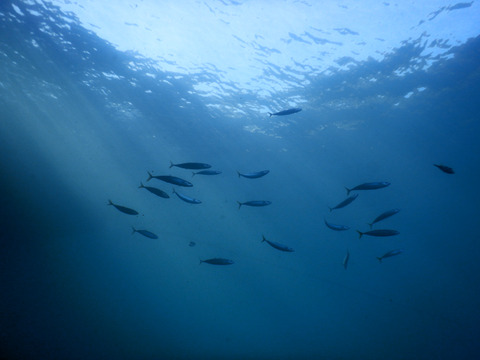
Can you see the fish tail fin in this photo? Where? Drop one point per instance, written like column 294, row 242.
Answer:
column 359, row 234
column 330, row 209
column 379, row 259
column 263, row 238
column 200, row 263
column 133, row 230
column 173, row 191
column 239, row 204
column 150, row 176
column 171, row 164
column 348, row 190
column 193, row 173
column 370, row 225
column 270, row 114
column 141, row 185
column 238, row 172
column 110, row 202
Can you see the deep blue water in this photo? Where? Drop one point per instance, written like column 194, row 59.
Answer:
column 76, row 284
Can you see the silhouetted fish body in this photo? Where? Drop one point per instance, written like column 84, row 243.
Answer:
column 389, row 254
column 285, row 112
column 383, row 216
column 206, row 172
column 368, row 186
column 187, row 198
column 277, row 246
column 218, row 261
column 345, row 260
column 123, row 209
column 445, row 169
column 145, row 233
column 170, row 179
column 254, row 203
column 383, row 232
column 253, row 175
column 344, row 202
column 155, row 191
column 336, row 227
column 192, row 165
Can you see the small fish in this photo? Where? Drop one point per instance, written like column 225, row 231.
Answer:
column 277, row 245
column 192, row 243
column 123, row 209
column 368, row 186
column 187, row 198
column 170, row 179
column 145, row 233
column 344, row 202
column 217, row 261
column 254, row 203
column 191, row 165
column 384, row 232
column 390, row 253
column 445, row 169
column 383, row 216
column 336, row 227
column 206, row 172
column 345, row 260
column 253, row 175
column 285, row 112
column 155, row 191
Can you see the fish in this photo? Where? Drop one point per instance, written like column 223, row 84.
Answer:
column 285, row 112
column 217, row 261
column 253, row 175
column 191, row 165
column 187, row 198
column 369, row 186
column 344, row 202
column 192, row 243
column 277, row 245
column 145, row 233
column 155, row 191
column 336, row 227
column 170, row 179
column 206, row 172
column 445, row 169
column 345, row 260
column 383, row 232
column 390, row 253
column 254, row 203
column 123, row 209
column 383, row 216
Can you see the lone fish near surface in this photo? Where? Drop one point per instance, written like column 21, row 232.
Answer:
column 217, row 261
column 285, row 112
column 187, row 198
column 145, row 233
column 445, row 169
column 389, row 254
column 383, row 216
column 345, row 260
column 191, row 165
column 336, row 227
column 253, row 175
column 123, row 209
column 206, row 172
column 277, row 246
column 344, row 202
column 368, row 186
column 255, row 203
column 170, row 179
column 155, row 191
column 383, row 232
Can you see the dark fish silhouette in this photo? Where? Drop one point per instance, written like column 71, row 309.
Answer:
column 170, row 179
column 187, row 198
column 253, row 175
column 254, row 203
column 217, row 261
column 123, row 209
column 368, row 186
column 206, row 172
column 344, row 202
column 277, row 245
column 336, row 227
column 383, row 216
column 345, row 260
column 191, row 165
column 383, row 232
column 390, row 253
column 145, row 233
column 155, row 191
column 285, row 112
column 445, row 169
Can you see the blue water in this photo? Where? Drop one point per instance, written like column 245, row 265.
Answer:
column 76, row 284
